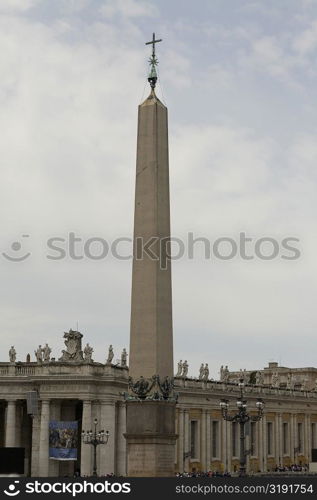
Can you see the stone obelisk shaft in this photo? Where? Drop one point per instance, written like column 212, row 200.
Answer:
column 151, row 336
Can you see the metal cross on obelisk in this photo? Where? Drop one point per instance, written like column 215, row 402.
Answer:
column 152, row 79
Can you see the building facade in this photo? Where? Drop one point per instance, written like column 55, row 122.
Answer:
column 78, row 389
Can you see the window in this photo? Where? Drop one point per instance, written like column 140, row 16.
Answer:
column 285, row 439
column 253, row 440
column 194, row 439
column 235, row 439
column 269, row 428
column 215, row 438
column 300, row 437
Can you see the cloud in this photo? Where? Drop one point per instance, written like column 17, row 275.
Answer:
column 242, row 158
column 16, row 7
column 306, row 41
column 128, row 9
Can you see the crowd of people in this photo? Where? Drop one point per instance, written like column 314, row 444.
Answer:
column 203, row 474
column 291, row 468
column 303, row 468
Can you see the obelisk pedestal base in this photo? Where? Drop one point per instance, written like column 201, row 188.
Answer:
column 150, row 438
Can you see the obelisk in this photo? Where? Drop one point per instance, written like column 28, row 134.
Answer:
column 151, row 406
column 151, row 336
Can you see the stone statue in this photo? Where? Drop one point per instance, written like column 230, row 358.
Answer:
column 259, row 378
column 110, row 355
column 225, row 374
column 28, row 358
column 179, row 368
column 221, row 373
column 46, row 353
column 12, row 354
column 206, row 372
column 275, row 380
column 124, row 356
column 289, row 381
column 74, row 351
column 201, row 371
column 244, row 376
column 88, row 353
column 185, row 369
column 305, row 384
column 39, row 354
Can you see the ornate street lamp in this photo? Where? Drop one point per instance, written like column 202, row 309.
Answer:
column 95, row 439
column 242, row 417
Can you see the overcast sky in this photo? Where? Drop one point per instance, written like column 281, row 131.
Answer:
column 240, row 80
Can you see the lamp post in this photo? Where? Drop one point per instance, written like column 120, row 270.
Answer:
column 95, row 439
column 241, row 417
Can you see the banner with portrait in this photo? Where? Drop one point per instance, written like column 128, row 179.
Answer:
column 63, row 440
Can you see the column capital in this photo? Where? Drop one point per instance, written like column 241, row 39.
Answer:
column 108, row 402
column 86, row 401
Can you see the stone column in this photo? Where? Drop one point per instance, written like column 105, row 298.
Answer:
column 203, row 441
column 307, row 451
column 292, row 438
column 10, row 424
column 309, row 435
column 55, row 414
column 121, row 441
column 223, row 437
column 295, row 438
column 208, row 440
column 107, row 452
column 260, row 447
column 280, row 427
column 180, row 440
column 247, row 445
column 186, row 439
column 229, row 446
column 86, row 449
column 44, row 445
column 264, row 426
column 35, row 446
column 277, row 441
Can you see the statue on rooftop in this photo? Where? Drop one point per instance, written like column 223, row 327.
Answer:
column 179, row 368
column 206, row 372
column 88, row 350
column 39, row 354
column 185, row 369
column 110, row 355
column 74, row 351
column 124, row 357
column 46, row 353
column 225, row 377
column 12, row 354
column 275, row 380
